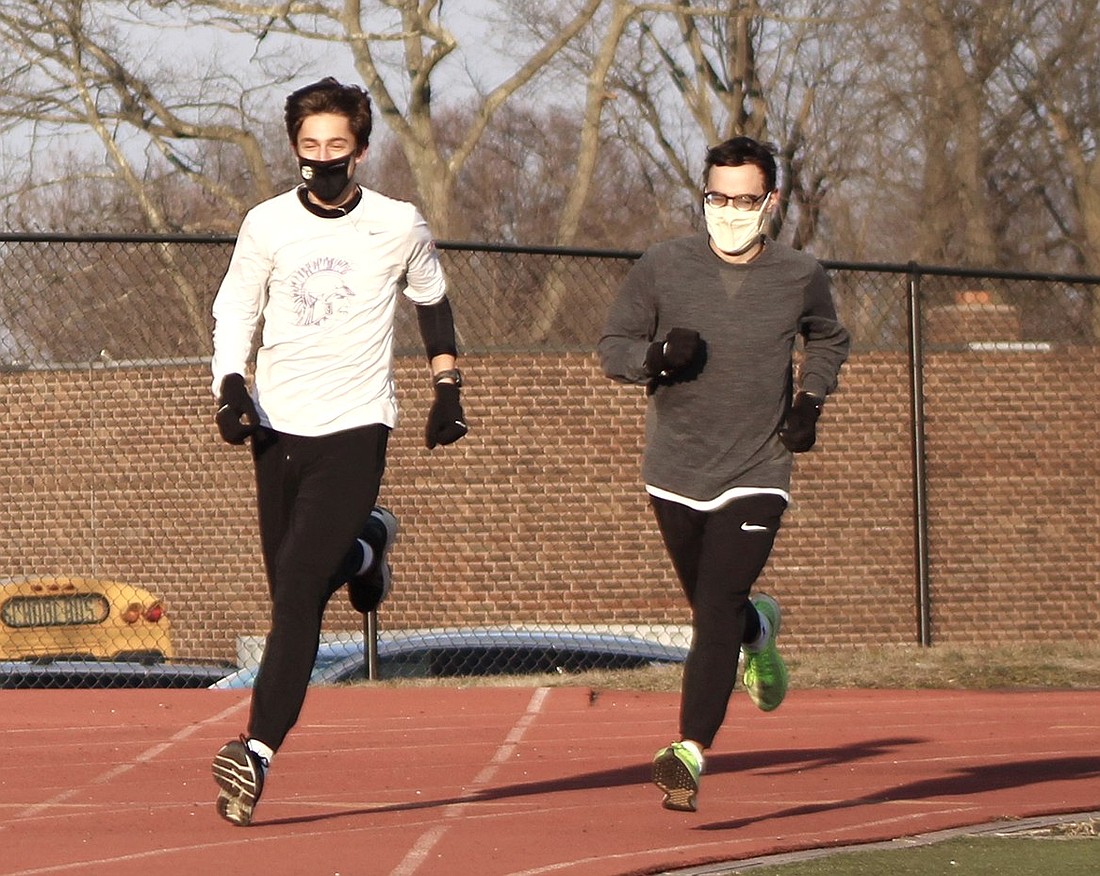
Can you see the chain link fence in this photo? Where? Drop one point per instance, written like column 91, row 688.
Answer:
column 952, row 479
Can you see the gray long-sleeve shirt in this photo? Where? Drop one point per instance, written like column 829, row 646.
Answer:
column 719, row 430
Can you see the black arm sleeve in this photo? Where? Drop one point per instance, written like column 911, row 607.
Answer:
column 437, row 328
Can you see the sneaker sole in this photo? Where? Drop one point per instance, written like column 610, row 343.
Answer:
column 389, row 521
column 355, row 589
column 234, row 773
column 679, row 785
column 776, row 611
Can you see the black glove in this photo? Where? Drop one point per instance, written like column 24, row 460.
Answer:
column 678, row 350
column 446, row 422
column 800, row 432
column 234, row 403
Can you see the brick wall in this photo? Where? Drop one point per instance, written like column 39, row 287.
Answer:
column 539, row 515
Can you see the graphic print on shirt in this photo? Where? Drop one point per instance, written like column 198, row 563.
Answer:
column 319, row 290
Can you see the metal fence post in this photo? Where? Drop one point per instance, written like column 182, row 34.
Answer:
column 370, row 644
column 920, row 477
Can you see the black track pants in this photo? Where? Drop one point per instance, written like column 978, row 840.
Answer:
column 314, row 497
column 718, row 555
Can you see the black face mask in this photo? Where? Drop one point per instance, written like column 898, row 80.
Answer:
column 326, row 179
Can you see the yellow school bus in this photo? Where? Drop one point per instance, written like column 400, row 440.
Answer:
column 60, row 617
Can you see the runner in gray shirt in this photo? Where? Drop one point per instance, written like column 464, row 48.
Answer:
column 709, row 323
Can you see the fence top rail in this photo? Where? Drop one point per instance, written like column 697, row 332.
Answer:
column 912, row 267
column 458, row 245
column 67, row 237
column 946, row 271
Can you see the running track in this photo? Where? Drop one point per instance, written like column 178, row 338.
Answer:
column 500, row 781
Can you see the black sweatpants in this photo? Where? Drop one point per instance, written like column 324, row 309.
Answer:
column 718, row 555
column 314, row 497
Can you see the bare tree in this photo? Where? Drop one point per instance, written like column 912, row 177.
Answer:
column 71, row 69
column 964, row 48
column 985, row 119
column 1051, row 74
column 905, row 129
column 401, row 50
column 692, row 76
column 1061, row 92
column 523, row 171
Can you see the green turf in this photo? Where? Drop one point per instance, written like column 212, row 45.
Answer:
column 961, row 856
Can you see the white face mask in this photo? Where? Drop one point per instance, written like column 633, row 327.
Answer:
column 734, row 231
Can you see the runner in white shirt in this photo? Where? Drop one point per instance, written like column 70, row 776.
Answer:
column 322, row 266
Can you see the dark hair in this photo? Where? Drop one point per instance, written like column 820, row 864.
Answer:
column 743, row 150
column 330, row 96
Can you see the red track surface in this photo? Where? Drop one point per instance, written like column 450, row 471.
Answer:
column 509, row 781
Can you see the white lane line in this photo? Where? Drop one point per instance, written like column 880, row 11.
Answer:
column 423, row 846
column 123, row 768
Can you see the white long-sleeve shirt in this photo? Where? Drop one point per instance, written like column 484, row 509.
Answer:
column 326, row 289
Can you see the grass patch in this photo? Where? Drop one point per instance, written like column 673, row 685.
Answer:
column 974, row 856
column 1065, row 665
column 905, row 667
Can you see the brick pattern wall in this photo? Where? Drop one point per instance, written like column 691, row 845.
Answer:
column 539, row 516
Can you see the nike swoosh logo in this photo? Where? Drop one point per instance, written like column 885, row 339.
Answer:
column 753, row 527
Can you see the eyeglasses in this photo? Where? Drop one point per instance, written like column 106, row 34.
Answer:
column 739, row 202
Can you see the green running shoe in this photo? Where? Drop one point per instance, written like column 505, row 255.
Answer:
column 765, row 676
column 676, row 771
